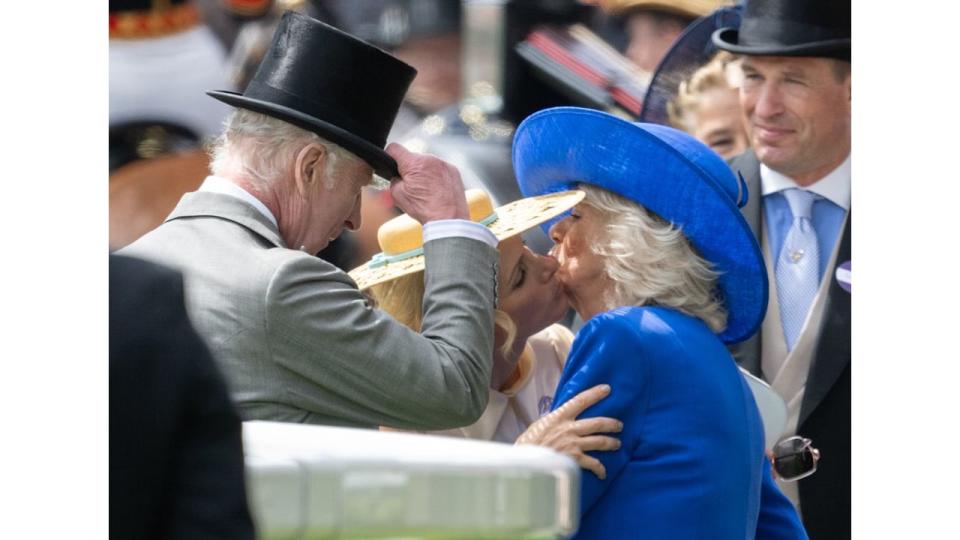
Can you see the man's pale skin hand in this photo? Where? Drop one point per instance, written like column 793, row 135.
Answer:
column 561, row 431
column 429, row 188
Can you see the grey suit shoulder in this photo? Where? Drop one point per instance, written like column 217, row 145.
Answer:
column 298, row 341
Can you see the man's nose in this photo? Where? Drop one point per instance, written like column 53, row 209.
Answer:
column 769, row 101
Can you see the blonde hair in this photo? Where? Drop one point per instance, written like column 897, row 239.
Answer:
column 402, row 298
column 711, row 75
column 651, row 262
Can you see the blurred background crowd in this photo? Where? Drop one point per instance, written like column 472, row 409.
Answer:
column 483, row 66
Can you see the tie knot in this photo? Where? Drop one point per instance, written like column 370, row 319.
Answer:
column 800, row 201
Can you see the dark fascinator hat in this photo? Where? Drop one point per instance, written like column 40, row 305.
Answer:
column 667, row 172
column 328, row 82
column 692, row 49
column 790, row 28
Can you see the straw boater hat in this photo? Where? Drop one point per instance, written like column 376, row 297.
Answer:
column 401, row 238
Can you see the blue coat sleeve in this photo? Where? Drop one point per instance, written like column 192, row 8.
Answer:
column 607, row 350
column 778, row 519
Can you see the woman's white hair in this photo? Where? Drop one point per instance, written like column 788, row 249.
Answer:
column 264, row 148
column 651, row 262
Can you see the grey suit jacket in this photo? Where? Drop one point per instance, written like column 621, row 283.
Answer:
column 299, row 343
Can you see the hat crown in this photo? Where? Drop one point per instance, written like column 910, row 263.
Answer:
column 331, row 83
column 316, row 64
column 824, row 14
column 711, row 166
column 819, row 28
column 403, row 233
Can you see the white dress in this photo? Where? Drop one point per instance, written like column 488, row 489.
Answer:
column 511, row 411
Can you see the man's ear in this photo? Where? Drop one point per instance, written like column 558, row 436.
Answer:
column 308, row 166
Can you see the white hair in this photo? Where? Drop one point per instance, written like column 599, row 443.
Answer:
column 651, row 262
column 264, row 148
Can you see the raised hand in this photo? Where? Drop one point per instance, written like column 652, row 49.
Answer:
column 429, row 188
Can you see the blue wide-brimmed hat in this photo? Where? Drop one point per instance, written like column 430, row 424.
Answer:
column 667, row 172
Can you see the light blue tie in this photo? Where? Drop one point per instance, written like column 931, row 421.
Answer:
column 798, row 266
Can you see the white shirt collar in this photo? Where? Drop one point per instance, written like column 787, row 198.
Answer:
column 216, row 184
column 834, row 187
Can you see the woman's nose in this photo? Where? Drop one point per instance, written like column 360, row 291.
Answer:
column 558, row 229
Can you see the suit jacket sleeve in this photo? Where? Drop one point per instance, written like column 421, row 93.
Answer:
column 371, row 369
column 778, row 519
column 597, row 357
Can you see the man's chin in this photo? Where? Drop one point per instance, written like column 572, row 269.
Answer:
column 775, row 157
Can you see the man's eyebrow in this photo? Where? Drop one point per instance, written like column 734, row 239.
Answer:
column 795, row 72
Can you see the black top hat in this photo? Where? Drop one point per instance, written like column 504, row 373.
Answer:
column 144, row 5
column 328, row 82
column 790, row 28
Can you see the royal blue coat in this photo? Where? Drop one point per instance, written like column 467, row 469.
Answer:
column 691, row 464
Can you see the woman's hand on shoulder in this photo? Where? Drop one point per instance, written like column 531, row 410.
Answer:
column 560, row 430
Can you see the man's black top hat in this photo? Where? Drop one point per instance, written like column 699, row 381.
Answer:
column 143, row 5
column 328, row 82
column 790, row 28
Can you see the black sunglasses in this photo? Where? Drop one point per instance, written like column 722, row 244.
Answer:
column 795, row 458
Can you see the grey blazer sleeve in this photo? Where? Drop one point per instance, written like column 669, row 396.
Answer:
column 356, row 363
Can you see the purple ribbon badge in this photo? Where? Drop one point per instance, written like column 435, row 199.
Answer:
column 843, row 276
column 543, row 406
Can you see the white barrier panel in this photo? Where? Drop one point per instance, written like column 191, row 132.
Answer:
column 316, row 482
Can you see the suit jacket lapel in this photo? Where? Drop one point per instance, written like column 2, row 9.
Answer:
column 833, row 350
column 218, row 205
column 747, row 353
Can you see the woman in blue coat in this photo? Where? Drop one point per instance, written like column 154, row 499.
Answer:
column 663, row 270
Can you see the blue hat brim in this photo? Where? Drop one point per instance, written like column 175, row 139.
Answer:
column 665, row 171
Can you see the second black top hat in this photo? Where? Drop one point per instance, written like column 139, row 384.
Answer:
column 790, row 28
column 328, row 82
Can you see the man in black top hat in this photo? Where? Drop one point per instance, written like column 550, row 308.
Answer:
column 291, row 332
column 796, row 96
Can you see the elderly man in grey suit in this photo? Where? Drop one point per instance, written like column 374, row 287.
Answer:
column 796, row 97
column 293, row 335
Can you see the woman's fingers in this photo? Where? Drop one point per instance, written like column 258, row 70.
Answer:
column 583, row 400
column 598, row 442
column 599, row 424
column 593, row 465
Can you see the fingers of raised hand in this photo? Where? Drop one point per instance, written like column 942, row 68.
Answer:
column 398, row 152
